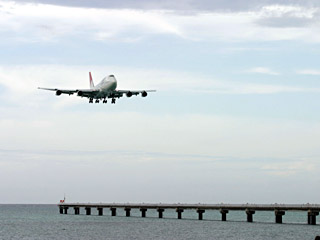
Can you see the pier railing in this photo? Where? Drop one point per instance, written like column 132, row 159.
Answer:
column 250, row 209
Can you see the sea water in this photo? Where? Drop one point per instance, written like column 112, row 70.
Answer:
column 45, row 222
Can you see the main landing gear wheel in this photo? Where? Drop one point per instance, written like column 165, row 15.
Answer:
column 104, row 101
column 113, row 101
column 90, row 100
column 97, row 101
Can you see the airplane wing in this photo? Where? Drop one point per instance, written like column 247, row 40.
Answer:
column 80, row 92
column 60, row 91
column 129, row 93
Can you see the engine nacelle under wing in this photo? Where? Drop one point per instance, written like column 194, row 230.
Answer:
column 129, row 94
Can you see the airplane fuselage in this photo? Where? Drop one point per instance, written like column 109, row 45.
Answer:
column 107, row 85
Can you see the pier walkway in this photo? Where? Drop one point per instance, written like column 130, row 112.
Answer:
column 312, row 210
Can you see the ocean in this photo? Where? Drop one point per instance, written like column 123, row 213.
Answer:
column 45, row 222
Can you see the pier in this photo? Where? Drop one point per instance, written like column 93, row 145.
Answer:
column 312, row 210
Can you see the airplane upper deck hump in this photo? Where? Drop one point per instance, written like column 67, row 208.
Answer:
column 91, row 81
column 112, row 78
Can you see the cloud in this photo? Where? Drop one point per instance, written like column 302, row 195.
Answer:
column 262, row 70
column 309, row 72
column 165, row 133
column 281, row 16
column 33, row 23
column 292, row 167
column 51, row 23
column 180, row 5
column 44, row 176
column 285, row 22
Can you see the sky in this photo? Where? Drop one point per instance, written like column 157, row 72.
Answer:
column 235, row 118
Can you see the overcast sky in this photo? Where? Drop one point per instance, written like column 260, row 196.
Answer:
column 235, row 118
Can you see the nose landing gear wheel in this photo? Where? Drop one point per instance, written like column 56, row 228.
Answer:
column 104, row 101
column 97, row 101
column 90, row 100
column 113, row 101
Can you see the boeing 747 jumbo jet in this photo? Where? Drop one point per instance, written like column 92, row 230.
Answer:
column 107, row 88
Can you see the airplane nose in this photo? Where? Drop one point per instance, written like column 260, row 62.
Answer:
column 111, row 78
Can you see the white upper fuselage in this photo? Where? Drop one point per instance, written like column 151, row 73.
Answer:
column 107, row 84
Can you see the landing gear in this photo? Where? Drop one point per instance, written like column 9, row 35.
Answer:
column 113, row 100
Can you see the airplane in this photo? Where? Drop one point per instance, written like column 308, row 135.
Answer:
column 107, row 88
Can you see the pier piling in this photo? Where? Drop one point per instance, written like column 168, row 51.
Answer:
column 100, row 211
column 160, row 211
column 179, row 211
column 113, row 212
column 88, row 210
column 312, row 217
column 61, row 210
column 143, row 212
column 65, row 210
column 127, row 212
column 279, row 214
column 200, row 213
column 224, row 214
column 76, row 210
column 250, row 215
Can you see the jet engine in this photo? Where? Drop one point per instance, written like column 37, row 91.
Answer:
column 144, row 94
column 80, row 93
column 129, row 94
column 58, row 92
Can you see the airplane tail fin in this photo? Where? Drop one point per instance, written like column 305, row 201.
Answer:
column 91, row 81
